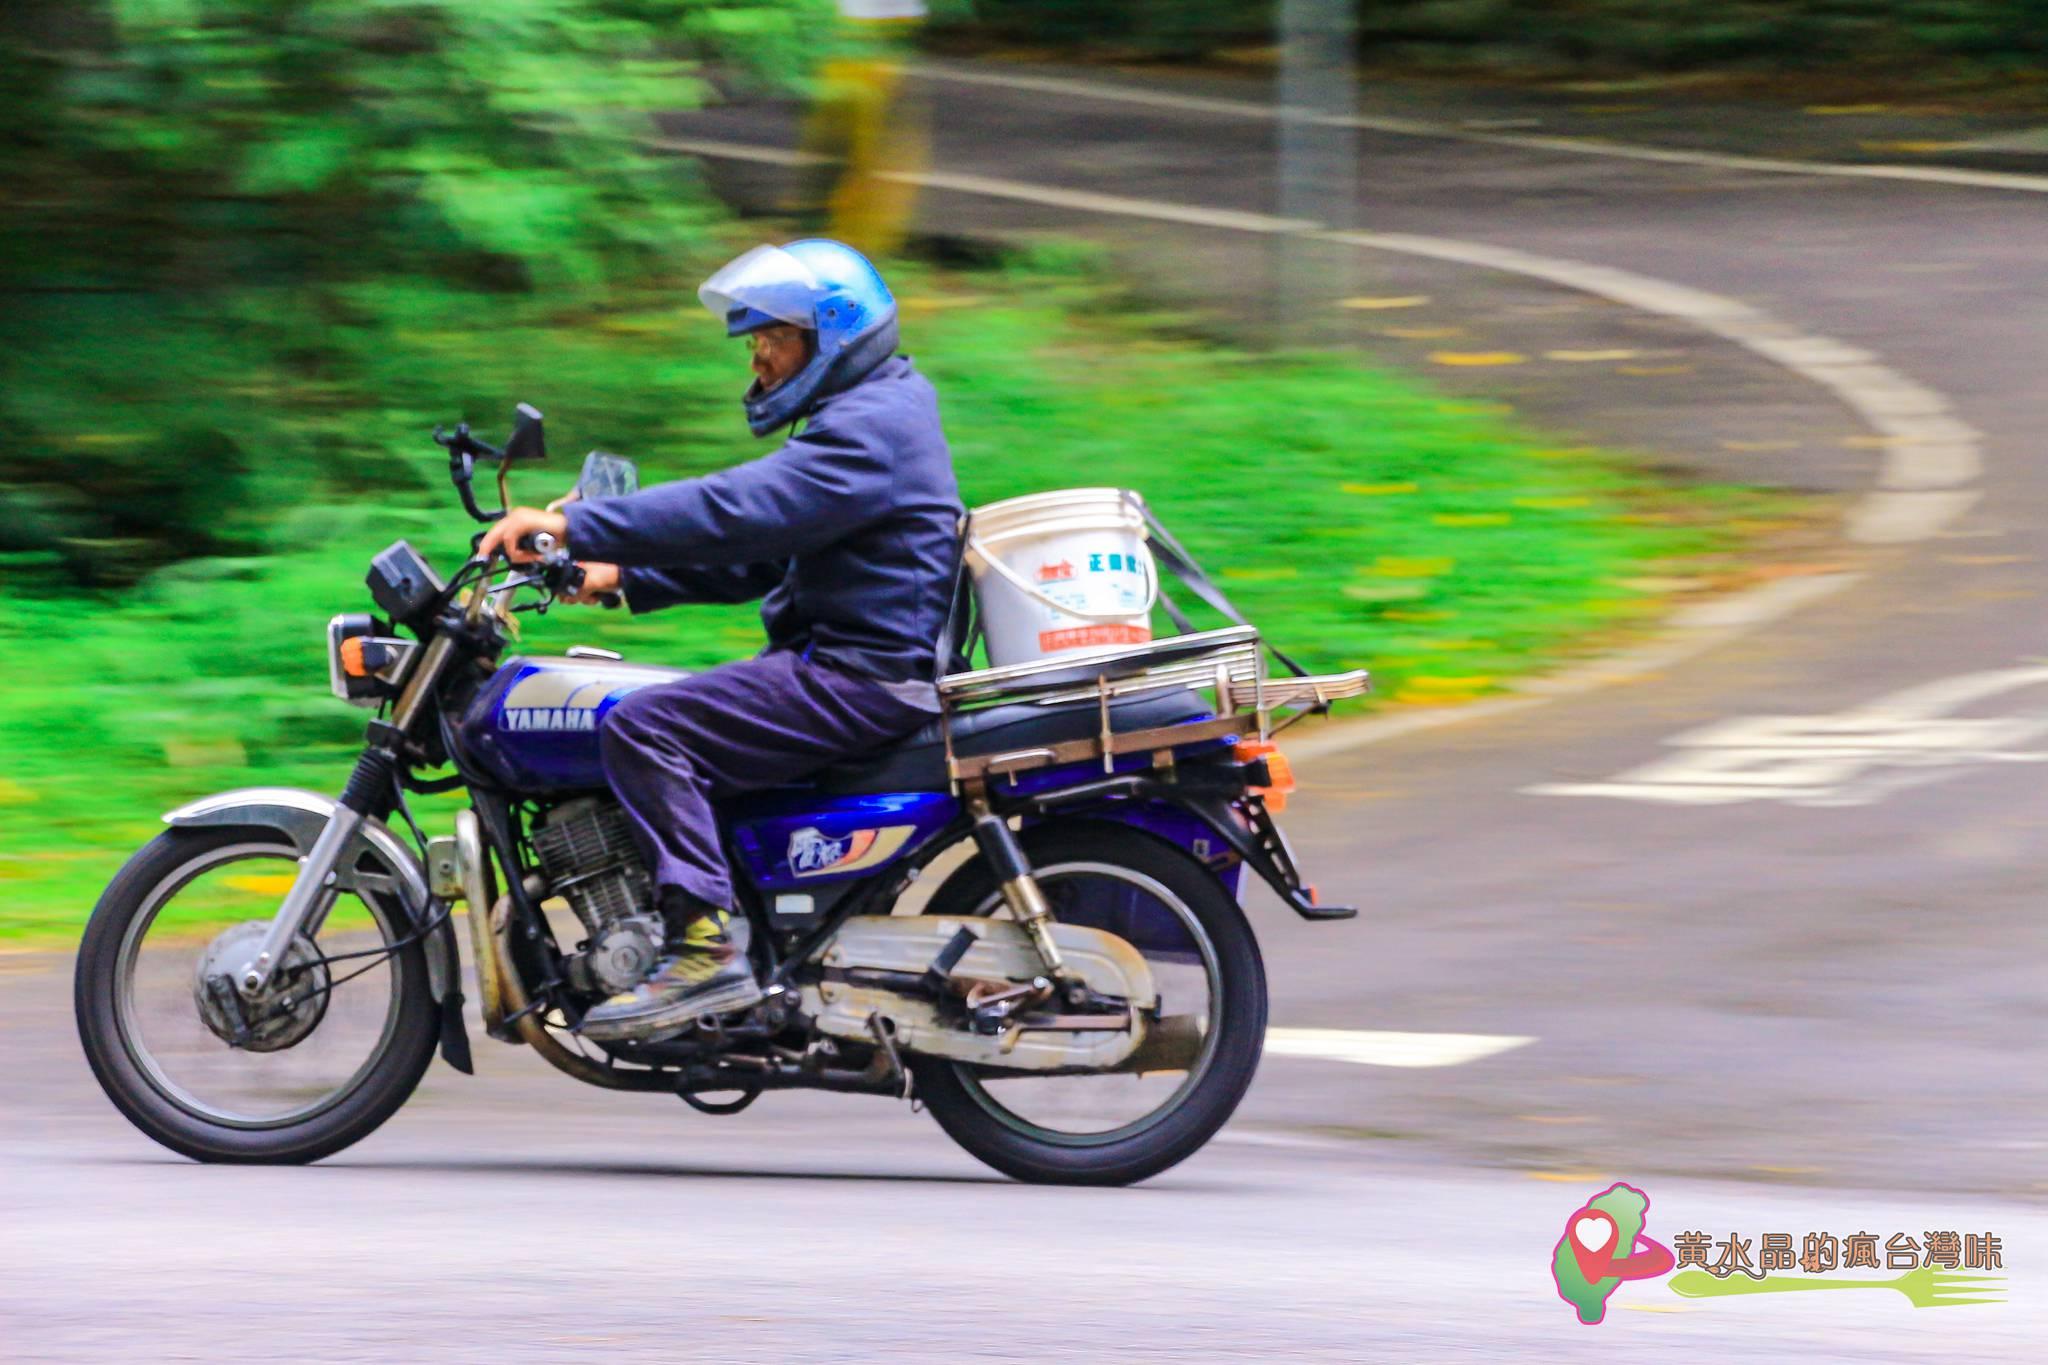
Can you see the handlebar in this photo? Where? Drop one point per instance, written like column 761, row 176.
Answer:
column 464, row 449
column 562, row 574
column 462, row 441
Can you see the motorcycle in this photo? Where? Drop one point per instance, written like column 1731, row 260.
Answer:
column 1080, row 1000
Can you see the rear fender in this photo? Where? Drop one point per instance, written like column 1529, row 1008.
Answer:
column 1184, row 831
column 1216, row 819
column 300, row 816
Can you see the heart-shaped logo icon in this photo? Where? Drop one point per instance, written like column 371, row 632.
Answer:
column 1600, row 1257
column 1592, row 1240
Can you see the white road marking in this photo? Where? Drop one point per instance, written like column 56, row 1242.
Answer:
column 1115, row 205
column 737, row 151
column 1541, row 142
column 1930, row 459
column 1286, row 1141
column 2024, row 142
column 1765, row 602
column 1689, row 632
column 1855, row 758
column 1929, row 454
column 1364, row 1047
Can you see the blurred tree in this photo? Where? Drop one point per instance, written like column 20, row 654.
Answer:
column 1166, row 28
column 199, row 190
column 1632, row 35
column 1576, row 34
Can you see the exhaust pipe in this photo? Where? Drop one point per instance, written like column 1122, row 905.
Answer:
column 475, row 871
column 1172, row 1043
column 528, row 1027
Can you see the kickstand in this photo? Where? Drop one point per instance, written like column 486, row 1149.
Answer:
column 885, row 1039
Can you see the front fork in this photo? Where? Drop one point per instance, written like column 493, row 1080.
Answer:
column 306, row 905
column 371, row 790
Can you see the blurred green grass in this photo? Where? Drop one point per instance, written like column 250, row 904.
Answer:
column 1358, row 517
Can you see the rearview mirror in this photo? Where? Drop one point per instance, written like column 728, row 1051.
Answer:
column 526, row 441
column 607, row 476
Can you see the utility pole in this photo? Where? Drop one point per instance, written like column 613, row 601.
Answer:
column 1318, row 161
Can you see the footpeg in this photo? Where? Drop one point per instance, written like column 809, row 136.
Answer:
column 938, row 976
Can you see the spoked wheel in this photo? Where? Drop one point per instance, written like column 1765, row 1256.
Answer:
column 329, row 1052
column 1119, row 1127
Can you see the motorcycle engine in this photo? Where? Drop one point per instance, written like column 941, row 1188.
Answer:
column 586, row 850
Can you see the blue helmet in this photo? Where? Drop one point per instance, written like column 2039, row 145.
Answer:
column 827, row 288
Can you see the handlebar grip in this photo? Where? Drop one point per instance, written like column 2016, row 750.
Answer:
column 539, row 542
column 572, row 585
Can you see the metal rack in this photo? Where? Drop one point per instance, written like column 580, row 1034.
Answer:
column 1229, row 663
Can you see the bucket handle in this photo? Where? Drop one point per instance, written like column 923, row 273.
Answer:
column 1031, row 590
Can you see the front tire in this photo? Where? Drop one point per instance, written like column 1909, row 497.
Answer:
column 104, row 992
column 1031, row 1152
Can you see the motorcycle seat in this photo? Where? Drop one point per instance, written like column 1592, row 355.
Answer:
column 918, row 761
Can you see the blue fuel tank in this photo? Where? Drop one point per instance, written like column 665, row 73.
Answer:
column 533, row 727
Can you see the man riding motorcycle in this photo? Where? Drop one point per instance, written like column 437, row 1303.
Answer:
column 850, row 530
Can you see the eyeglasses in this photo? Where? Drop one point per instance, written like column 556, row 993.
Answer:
column 772, row 338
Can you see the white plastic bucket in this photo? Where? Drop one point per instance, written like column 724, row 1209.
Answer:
column 1059, row 572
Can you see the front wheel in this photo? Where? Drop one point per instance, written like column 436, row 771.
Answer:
column 1116, row 1128
column 333, row 1048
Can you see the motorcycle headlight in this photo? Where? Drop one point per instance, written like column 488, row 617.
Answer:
column 364, row 663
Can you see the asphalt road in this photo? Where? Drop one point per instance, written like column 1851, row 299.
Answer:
column 517, row 1217
column 1816, row 1006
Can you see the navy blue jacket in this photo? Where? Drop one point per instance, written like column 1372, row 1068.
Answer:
column 851, row 530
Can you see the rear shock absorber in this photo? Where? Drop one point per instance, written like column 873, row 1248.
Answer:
column 1021, row 891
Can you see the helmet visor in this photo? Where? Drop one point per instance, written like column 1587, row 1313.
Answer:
column 766, row 280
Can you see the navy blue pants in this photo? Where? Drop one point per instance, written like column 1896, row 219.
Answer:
column 672, row 749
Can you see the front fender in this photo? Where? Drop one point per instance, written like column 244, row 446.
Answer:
column 300, row 816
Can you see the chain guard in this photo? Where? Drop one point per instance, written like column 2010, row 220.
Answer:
column 865, row 962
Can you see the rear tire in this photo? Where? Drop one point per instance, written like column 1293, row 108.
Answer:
column 374, row 1096
column 1239, row 1024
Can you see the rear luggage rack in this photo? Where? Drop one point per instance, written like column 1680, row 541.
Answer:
column 1229, row 663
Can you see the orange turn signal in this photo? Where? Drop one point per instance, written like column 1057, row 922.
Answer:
column 352, row 657
column 1279, row 772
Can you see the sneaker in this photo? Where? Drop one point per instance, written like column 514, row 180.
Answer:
column 705, row 973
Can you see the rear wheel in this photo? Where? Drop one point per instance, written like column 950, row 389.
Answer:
column 1117, row 1128
column 329, row 1053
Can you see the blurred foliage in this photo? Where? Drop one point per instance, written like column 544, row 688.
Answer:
column 1159, row 28
column 1580, row 35
column 1688, row 34
column 220, row 213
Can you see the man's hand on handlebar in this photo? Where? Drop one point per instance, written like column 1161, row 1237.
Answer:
column 599, row 580
column 512, row 533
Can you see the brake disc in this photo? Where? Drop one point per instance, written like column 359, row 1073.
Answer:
column 288, row 1009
